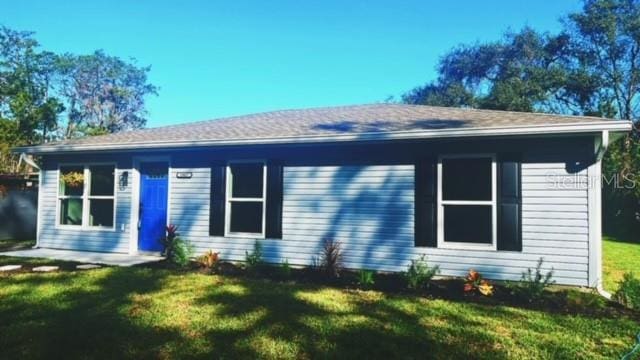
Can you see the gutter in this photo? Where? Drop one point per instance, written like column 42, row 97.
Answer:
column 571, row 128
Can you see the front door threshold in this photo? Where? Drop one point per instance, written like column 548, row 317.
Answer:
column 149, row 253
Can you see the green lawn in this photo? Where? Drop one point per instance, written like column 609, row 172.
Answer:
column 156, row 313
column 619, row 257
column 8, row 245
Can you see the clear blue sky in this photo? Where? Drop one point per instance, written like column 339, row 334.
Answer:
column 214, row 58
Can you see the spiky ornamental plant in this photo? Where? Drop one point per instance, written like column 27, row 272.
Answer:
column 331, row 259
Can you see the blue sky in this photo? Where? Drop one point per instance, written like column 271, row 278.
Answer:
column 214, row 58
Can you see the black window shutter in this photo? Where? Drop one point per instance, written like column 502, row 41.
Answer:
column 425, row 190
column 509, row 202
column 273, row 219
column 217, row 203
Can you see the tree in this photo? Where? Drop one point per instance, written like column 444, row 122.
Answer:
column 605, row 42
column 104, row 94
column 525, row 71
column 26, row 83
column 45, row 96
column 28, row 112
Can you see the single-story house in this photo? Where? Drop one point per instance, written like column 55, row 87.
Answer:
column 490, row 190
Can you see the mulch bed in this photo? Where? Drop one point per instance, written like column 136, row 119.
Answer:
column 558, row 299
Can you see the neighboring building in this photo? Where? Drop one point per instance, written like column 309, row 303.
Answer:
column 489, row 190
column 18, row 204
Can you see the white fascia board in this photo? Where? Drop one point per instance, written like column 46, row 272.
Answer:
column 573, row 128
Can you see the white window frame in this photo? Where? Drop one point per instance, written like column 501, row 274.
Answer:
column 87, row 197
column 493, row 203
column 229, row 199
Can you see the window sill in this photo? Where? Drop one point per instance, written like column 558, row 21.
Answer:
column 85, row 228
column 467, row 246
column 245, row 235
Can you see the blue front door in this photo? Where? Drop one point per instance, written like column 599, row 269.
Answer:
column 153, row 205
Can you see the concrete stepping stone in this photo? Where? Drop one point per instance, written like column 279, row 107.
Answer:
column 87, row 266
column 10, row 268
column 45, row 268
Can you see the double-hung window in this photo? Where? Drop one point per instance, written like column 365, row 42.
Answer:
column 86, row 196
column 246, row 199
column 467, row 208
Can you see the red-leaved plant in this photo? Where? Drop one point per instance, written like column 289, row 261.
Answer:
column 475, row 282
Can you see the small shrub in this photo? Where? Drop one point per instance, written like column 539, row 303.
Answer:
column 475, row 282
column 177, row 251
column 366, row 278
column 419, row 274
column 331, row 259
column 532, row 284
column 253, row 260
column 209, row 260
column 628, row 293
column 284, row 270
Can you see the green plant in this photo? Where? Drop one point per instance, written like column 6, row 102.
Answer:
column 532, row 284
column 176, row 250
column 72, row 178
column 253, row 260
column 475, row 282
column 366, row 278
column 331, row 258
column 419, row 273
column 209, row 260
column 628, row 293
column 284, row 270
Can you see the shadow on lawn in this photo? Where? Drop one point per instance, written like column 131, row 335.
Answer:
column 85, row 320
column 150, row 313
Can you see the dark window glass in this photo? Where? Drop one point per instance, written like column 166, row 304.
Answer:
column 71, row 180
column 102, row 180
column 466, row 179
column 468, row 224
column 101, row 212
column 246, row 217
column 247, row 180
column 71, row 211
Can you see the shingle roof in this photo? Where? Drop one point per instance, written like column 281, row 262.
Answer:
column 326, row 123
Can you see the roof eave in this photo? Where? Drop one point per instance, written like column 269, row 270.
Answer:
column 573, row 128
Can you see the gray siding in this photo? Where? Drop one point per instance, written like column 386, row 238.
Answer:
column 368, row 208
column 55, row 237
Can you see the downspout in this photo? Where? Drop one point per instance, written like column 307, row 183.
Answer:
column 602, row 143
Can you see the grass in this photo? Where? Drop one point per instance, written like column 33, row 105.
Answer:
column 619, row 257
column 159, row 313
column 9, row 245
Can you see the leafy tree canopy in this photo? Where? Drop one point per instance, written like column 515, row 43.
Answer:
column 46, row 96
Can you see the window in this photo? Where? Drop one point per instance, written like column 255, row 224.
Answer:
column 467, row 201
column 86, row 195
column 246, row 188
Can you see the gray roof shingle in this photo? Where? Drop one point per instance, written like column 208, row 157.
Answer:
column 326, row 122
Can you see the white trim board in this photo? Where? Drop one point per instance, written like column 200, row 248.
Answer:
column 135, row 196
column 84, row 226
column 229, row 199
column 595, row 219
column 493, row 203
